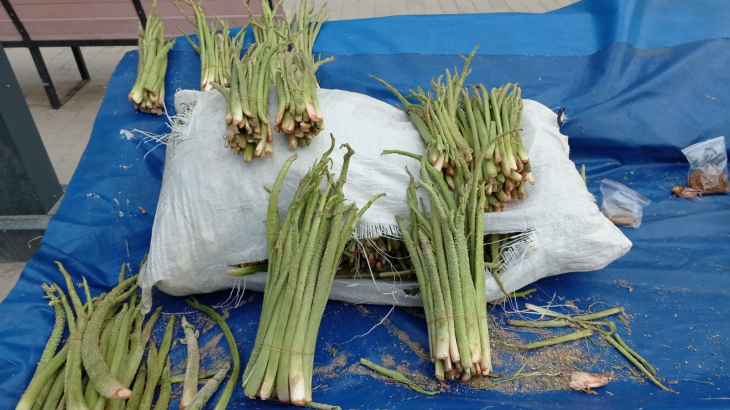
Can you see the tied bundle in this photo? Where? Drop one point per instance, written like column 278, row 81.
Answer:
column 303, row 256
column 446, row 247
column 217, row 49
column 455, row 123
column 248, row 130
column 298, row 114
column 148, row 92
column 282, row 54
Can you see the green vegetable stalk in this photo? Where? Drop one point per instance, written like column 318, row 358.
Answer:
column 190, row 389
column 148, row 92
column 446, row 250
column 303, row 256
column 457, row 121
column 217, row 49
column 209, row 389
column 232, row 346
column 59, row 380
column 281, row 54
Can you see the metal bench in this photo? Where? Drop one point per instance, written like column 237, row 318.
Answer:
column 81, row 23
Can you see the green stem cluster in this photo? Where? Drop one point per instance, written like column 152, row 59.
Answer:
column 456, row 122
column 148, row 92
column 446, row 250
column 303, row 254
column 281, row 54
column 217, row 49
column 298, row 114
column 102, row 355
column 248, row 131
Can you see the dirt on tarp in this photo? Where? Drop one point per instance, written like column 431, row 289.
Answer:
column 332, row 370
column 545, row 369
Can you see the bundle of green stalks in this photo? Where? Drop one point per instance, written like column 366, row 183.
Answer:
column 299, row 114
column 217, row 49
column 303, row 255
column 456, row 121
column 447, row 253
column 248, row 129
column 282, row 54
column 506, row 167
column 148, row 92
column 101, row 366
column 102, row 355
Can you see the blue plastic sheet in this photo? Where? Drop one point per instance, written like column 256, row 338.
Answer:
column 631, row 108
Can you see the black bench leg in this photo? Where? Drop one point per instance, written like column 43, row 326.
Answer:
column 80, row 63
column 40, row 65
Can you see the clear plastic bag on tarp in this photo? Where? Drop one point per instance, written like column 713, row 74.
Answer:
column 707, row 166
column 621, row 204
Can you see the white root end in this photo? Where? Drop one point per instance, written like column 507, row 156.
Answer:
column 122, row 393
column 259, row 147
column 297, row 390
column 466, row 375
column 266, row 388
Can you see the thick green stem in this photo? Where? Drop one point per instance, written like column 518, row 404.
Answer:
column 166, row 342
column 396, row 376
column 163, row 400
column 232, row 347
column 56, row 391
column 192, row 366
column 153, row 376
column 138, row 390
column 635, row 362
column 209, row 389
column 42, row 377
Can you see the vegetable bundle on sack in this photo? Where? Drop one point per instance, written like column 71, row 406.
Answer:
column 299, row 114
column 248, row 131
column 282, row 54
column 148, row 92
column 455, row 124
column 303, row 256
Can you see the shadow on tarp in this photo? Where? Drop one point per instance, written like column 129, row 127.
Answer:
column 630, row 113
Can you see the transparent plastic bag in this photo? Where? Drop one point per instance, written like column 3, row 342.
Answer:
column 707, row 167
column 621, row 204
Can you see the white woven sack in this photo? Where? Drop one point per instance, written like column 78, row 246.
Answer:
column 212, row 206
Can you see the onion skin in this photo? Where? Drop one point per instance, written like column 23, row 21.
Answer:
column 583, row 381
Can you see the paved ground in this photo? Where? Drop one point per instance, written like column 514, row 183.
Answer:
column 66, row 131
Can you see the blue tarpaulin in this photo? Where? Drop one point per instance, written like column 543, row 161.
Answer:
column 639, row 81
